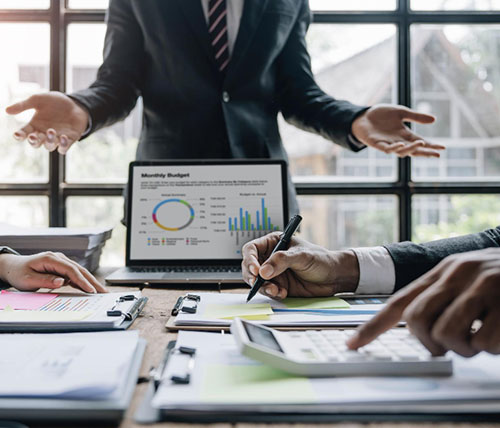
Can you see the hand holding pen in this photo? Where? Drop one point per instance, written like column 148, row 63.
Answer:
column 283, row 243
column 303, row 270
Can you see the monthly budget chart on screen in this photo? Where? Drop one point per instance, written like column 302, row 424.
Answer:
column 185, row 212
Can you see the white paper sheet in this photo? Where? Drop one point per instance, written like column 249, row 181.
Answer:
column 76, row 365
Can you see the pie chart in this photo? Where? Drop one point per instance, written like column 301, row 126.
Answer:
column 173, row 214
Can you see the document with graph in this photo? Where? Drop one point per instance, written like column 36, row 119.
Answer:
column 36, row 311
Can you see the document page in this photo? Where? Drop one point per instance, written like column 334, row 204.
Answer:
column 72, row 365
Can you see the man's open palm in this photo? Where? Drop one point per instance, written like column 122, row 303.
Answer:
column 57, row 123
column 383, row 127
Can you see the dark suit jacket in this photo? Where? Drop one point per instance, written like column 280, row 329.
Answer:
column 160, row 50
column 413, row 260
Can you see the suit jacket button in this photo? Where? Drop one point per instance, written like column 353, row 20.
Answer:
column 225, row 97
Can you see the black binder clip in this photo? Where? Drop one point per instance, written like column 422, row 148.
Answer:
column 184, row 380
column 132, row 312
column 189, row 309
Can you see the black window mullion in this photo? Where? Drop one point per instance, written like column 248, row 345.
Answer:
column 57, row 83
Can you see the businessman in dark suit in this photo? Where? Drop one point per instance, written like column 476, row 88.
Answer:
column 213, row 75
column 456, row 281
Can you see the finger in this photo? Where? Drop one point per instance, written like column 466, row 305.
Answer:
column 452, row 330
column 20, row 135
column 67, row 269
column 34, row 140
column 280, row 261
column 409, row 149
column 64, row 144
column 394, row 147
column 38, row 280
column 382, row 146
column 51, row 140
column 88, row 276
column 426, row 153
column 487, row 337
column 270, row 289
column 414, row 116
column 21, row 106
column 389, row 316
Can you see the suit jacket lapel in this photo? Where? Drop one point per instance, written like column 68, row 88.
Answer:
column 252, row 12
column 194, row 15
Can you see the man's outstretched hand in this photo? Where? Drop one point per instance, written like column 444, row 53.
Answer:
column 57, row 123
column 383, row 128
column 443, row 306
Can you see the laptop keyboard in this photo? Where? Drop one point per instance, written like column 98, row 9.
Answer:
column 186, row 269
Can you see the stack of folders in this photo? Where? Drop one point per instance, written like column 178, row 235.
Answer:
column 204, row 378
column 83, row 245
column 74, row 376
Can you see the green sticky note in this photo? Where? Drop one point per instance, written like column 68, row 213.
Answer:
column 254, row 384
column 315, row 303
column 249, row 311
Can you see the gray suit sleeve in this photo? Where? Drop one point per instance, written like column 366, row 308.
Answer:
column 413, row 260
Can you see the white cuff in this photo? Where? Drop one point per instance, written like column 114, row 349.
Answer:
column 377, row 274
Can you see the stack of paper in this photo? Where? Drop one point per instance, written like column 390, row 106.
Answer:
column 84, row 245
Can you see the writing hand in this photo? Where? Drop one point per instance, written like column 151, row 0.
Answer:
column 304, row 270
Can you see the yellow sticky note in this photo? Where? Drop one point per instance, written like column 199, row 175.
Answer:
column 254, row 384
column 247, row 311
column 310, row 303
column 42, row 316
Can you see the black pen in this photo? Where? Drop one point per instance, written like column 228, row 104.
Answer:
column 282, row 244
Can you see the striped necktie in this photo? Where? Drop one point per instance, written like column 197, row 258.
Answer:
column 217, row 28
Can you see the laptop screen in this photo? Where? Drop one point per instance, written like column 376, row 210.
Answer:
column 202, row 211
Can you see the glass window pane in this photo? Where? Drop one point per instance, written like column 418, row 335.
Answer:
column 24, row 72
column 105, row 155
column 455, row 4
column 24, row 4
column 24, row 211
column 352, row 4
column 101, row 211
column 456, row 77
column 338, row 222
column 346, row 63
column 444, row 216
column 88, row 4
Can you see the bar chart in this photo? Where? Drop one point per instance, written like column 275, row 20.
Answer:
column 245, row 221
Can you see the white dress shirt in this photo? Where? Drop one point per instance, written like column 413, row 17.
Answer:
column 234, row 12
column 377, row 273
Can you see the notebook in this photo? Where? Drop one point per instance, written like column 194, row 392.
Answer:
column 188, row 220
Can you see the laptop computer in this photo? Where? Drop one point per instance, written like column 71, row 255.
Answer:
column 188, row 220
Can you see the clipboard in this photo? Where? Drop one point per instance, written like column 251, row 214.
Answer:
column 484, row 411
column 190, row 305
column 107, row 312
column 66, row 410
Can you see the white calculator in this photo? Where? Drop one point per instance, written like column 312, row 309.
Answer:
column 323, row 353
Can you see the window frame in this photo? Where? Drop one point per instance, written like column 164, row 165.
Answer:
column 59, row 16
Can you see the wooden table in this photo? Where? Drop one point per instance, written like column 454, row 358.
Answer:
column 151, row 325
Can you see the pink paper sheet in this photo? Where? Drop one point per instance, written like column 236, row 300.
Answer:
column 24, row 300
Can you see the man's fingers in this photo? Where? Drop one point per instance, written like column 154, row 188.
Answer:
column 20, row 135
column 88, row 276
column 409, row 148
column 395, row 147
column 413, row 116
column 426, row 153
column 280, row 261
column 387, row 317
column 21, row 106
column 34, row 140
column 487, row 337
column 38, row 280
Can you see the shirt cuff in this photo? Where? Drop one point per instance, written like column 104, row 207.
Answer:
column 355, row 142
column 377, row 274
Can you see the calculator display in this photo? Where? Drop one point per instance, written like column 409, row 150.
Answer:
column 261, row 336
